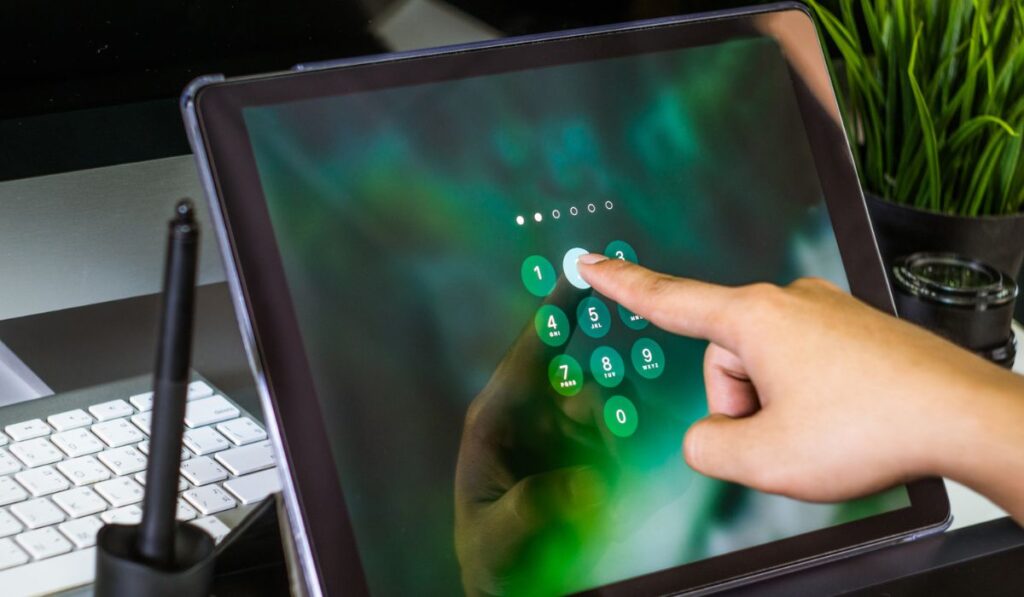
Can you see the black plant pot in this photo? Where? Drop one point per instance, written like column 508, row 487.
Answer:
column 902, row 230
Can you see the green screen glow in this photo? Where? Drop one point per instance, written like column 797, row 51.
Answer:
column 498, row 429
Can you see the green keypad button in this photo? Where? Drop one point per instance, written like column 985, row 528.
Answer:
column 607, row 367
column 620, row 416
column 538, row 275
column 566, row 375
column 620, row 249
column 632, row 320
column 552, row 325
column 593, row 317
column 648, row 358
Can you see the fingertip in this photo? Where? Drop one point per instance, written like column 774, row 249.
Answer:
column 692, row 446
column 592, row 258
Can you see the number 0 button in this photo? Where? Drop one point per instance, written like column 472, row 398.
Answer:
column 648, row 358
column 593, row 317
column 620, row 416
column 566, row 375
column 538, row 275
column 552, row 325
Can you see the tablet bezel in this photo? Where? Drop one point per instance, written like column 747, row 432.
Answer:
column 212, row 108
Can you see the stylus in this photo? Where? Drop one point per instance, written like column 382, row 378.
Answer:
column 170, row 385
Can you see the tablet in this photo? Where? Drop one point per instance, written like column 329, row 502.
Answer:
column 457, row 410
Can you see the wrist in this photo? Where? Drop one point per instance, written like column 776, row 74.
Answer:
column 980, row 441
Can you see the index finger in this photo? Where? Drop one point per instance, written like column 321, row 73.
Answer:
column 678, row 305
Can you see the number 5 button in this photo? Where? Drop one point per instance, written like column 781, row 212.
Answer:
column 593, row 317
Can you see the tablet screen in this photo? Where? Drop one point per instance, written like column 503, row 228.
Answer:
column 499, row 427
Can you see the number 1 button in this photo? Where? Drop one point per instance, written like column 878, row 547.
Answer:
column 538, row 275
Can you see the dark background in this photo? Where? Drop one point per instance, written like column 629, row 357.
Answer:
column 96, row 84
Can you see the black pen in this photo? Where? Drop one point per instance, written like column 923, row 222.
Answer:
column 170, row 386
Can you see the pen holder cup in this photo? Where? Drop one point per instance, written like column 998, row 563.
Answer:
column 121, row 571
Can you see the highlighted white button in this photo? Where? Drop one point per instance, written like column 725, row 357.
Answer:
column 572, row 272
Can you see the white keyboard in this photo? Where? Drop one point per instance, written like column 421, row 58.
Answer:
column 63, row 475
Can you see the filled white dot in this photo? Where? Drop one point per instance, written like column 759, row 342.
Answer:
column 520, row 220
column 537, row 217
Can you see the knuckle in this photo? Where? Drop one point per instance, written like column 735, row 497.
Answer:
column 814, row 283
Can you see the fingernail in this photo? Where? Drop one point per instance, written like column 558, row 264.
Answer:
column 592, row 258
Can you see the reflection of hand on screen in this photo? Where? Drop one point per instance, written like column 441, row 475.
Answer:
column 532, row 480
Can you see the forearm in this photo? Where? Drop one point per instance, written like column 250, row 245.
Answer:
column 984, row 445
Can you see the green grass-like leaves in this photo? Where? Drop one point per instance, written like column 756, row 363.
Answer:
column 932, row 93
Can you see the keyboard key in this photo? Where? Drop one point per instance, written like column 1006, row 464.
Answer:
column 242, row 431
column 8, row 464
column 28, row 430
column 10, row 491
column 140, row 478
column 36, row 452
column 201, row 470
column 199, row 389
column 207, row 411
column 80, row 501
column 44, row 543
column 205, row 440
column 11, row 554
column 143, row 402
column 114, row 409
column 214, row 526
column 196, row 390
column 42, row 481
column 247, row 459
column 120, row 491
column 144, row 448
column 124, row 460
column 81, row 532
column 72, row 419
column 210, row 499
column 118, row 433
column 38, row 513
column 253, row 488
column 126, row 515
column 141, row 421
column 84, row 471
column 185, row 512
column 77, row 442
column 9, row 525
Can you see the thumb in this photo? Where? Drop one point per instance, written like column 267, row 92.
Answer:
column 726, row 448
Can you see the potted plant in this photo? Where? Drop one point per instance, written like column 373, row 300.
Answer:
column 932, row 94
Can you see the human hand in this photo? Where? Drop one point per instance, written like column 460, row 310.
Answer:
column 814, row 395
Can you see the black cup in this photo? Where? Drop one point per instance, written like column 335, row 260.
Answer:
column 962, row 299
